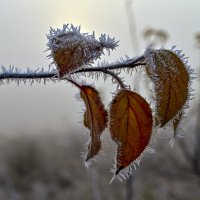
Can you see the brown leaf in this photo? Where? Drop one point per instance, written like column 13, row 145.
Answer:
column 95, row 118
column 72, row 50
column 130, row 126
column 171, row 80
column 67, row 60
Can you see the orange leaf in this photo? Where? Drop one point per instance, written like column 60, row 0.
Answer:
column 95, row 118
column 171, row 80
column 130, row 126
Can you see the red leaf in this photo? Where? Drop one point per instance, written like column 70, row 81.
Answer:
column 130, row 126
column 95, row 118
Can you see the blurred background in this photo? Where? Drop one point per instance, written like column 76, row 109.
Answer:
column 41, row 131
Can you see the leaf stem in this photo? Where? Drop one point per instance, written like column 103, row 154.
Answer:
column 116, row 77
column 74, row 83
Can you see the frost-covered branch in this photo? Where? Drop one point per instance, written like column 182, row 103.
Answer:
column 130, row 63
column 13, row 73
column 73, row 52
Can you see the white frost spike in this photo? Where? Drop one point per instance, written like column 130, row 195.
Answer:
column 107, row 42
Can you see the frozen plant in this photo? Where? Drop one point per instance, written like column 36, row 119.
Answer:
column 129, row 117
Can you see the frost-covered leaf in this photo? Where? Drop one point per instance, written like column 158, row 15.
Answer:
column 95, row 118
column 130, row 126
column 71, row 49
column 171, row 80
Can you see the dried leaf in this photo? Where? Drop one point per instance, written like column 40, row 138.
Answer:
column 130, row 126
column 73, row 50
column 95, row 118
column 171, row 80
column 67, row 60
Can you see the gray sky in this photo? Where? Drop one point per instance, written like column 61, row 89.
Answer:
column 24, row 25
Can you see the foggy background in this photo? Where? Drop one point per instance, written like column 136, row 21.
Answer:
column 41, row 136
column 24, row 25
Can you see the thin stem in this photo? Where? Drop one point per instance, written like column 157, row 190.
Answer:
column 127, row 64
column 74, row 83
column 116, row 77
column 28, row 75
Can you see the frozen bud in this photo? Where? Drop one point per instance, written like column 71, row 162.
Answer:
column 72, row 50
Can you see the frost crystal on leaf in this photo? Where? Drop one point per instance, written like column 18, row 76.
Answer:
column 71, row 49
column 171, row 75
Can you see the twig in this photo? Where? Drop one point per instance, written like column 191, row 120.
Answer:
column 14, row 74
column 28, row 75
column 116, row 77
column 127, row 64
